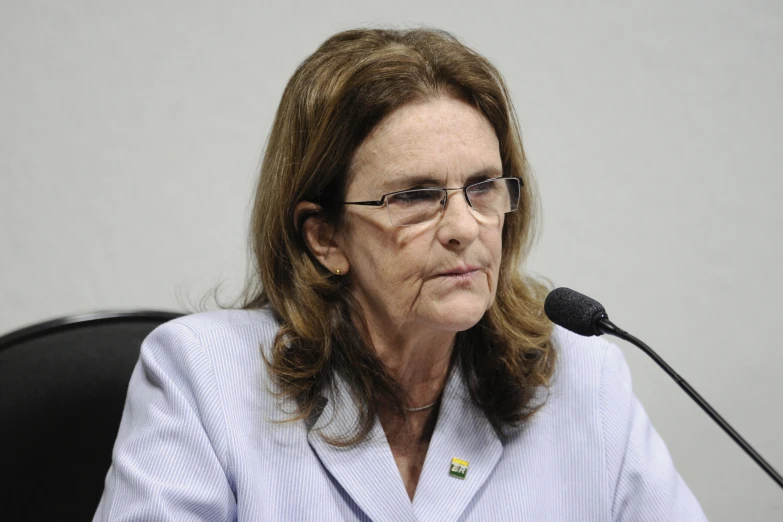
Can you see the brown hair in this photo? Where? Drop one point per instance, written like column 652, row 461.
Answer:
column 330, row 105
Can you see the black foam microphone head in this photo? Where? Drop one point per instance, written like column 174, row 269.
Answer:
column 574, row 311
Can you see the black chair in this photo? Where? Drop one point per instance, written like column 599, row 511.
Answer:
column 62, row 390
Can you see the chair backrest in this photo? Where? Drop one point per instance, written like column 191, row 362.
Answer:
column 62, row 390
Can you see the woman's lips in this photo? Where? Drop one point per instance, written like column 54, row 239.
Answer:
column 461, row 275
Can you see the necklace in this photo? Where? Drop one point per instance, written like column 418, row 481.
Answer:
column 422, row 408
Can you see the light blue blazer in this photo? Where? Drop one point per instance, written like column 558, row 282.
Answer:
column 199, row 441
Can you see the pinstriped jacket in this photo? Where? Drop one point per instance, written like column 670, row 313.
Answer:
column 198, row 441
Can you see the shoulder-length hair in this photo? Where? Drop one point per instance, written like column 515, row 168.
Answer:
column 331, row 103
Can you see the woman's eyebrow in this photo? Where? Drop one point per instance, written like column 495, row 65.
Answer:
column 485, row 173
column 406, row 182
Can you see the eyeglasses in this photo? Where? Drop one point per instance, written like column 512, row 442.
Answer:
column 491, row 197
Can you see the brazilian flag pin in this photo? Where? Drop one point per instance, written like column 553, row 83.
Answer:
column 459, row 468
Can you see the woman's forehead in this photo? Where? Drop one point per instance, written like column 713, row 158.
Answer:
column 443, row 140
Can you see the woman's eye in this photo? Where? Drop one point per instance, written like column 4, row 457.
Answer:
column 415, row 196
column 483, row 187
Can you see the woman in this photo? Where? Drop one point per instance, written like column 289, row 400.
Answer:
column 390, row 363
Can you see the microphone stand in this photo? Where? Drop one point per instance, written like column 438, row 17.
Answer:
column 605, row 326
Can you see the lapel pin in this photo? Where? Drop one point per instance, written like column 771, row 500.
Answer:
column 459, row 468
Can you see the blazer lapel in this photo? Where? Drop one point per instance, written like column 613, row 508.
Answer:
column 366, row 471
column 463, row 433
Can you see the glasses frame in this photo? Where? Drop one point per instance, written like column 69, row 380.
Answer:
column 381, row 202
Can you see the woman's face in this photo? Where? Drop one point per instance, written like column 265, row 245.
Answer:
column 442, row 274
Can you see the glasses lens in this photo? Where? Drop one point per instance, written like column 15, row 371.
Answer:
column 494, row 196
column 414, row 206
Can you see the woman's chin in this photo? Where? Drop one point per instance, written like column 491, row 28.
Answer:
column 461, row 315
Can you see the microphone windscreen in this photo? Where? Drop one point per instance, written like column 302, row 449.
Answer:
column 574, row 311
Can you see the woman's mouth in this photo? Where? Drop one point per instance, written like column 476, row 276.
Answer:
column 460, row 274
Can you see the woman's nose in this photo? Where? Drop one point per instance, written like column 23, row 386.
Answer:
column 458, row 225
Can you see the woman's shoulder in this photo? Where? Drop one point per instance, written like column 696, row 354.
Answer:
column 216, row 328
column 583, row 365
column 589, row 386
column 214, row 322
column 212, row 352
column 225, row 340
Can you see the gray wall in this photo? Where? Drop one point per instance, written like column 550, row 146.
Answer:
column 130, row 134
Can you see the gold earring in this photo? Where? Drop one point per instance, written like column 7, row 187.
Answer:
column 337, row 272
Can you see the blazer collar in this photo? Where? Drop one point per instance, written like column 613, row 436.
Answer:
column 368, row 473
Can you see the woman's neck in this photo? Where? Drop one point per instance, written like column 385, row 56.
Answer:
column 419, row 361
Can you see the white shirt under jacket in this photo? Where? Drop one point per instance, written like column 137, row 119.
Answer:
column 198, row 441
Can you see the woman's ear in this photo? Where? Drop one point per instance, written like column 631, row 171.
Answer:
column 320, row 238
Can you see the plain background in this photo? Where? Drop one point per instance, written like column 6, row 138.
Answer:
column 131, row 132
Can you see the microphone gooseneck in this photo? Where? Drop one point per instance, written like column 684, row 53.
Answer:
column 585, row 316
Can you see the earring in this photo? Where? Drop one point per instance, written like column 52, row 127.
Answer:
column 337, row 272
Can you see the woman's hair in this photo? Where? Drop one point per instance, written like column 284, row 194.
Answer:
column 330, row 105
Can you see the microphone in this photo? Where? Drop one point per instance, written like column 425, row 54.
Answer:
column 585, row 316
